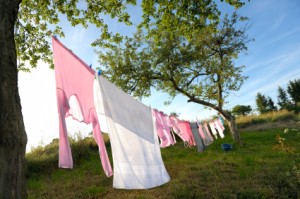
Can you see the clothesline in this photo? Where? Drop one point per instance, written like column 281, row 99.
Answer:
column 136, row 131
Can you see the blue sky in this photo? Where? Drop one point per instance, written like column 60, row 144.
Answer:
column 272, row 60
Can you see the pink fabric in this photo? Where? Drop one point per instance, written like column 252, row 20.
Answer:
column 163, row 130
column 168, row 125
column 187, row 132
column 201, row 132
column 75, row 78
column 174, row 123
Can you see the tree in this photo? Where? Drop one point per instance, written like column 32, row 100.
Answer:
column 181, row 48
column 25, row 29
column 241, row 110
column 293, row 90
column 175, row 114
column 264, row 103
column 271, row 105
column 261, row 103
column 283, row 100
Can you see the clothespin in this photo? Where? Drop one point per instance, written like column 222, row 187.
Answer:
column 91, row 65
column 99, row 72
column 55, row 36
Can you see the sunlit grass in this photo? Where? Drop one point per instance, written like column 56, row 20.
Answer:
column 255, row 170
column 274, row 116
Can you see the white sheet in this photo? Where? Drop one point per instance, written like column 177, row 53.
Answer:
column 137, row 161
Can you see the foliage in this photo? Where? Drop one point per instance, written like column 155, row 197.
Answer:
column 39, row 20
column 294, row 90
column 182, row 47
column 282, row 146
column 252, row 171
column 241, row 110
column 261, row 103
column 283, row 100
column 271, row 105
column 264, row 103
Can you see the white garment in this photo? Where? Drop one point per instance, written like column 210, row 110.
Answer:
column 219, row 128
column 213, row 130
column 137, row 161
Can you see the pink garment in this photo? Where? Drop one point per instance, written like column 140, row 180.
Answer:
column 201, row 132
column 174, row 123
column 163, row 130
column 185, row 127
column 75, row 78
column 168, row 123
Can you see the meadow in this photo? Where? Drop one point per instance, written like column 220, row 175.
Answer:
column 266, row 166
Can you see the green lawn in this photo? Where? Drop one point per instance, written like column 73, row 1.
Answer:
column 258, row 169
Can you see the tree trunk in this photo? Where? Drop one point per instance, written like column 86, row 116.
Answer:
column 233, row 130
column 13, row 138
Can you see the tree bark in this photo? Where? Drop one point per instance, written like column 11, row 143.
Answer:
column 13, row 138
column 234, row 131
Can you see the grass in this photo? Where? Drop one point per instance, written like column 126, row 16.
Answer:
column 258, row 169
column 282, row 115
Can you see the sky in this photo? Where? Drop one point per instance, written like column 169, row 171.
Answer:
column 272, row 60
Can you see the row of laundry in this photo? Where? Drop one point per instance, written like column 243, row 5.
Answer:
column 136, row 132
column 192, row 133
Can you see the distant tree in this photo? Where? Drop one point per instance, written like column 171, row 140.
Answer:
column 283, row 100
column 261, row 103
column 175, row 114
column 293, row 90
column 241, row 110
column 271, row 105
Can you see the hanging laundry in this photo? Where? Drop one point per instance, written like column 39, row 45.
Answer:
column 181, row 132
column 74, row 80
column 170, row 125
column 207, row 132
column 213, row 130
column 174, row 124
column 135, row 147
column 218, row 125
column 221, row 119
column 206, row 137
column 186, row 130
column 162, row 128
column 197, row 137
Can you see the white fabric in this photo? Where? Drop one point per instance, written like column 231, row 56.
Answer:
column 213, row 130
column 136, row 153
column 219, row 128
column 75, row 109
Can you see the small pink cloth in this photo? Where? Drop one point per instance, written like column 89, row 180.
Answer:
column 75, row 79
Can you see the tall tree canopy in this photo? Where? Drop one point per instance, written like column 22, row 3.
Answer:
column 182, row 47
